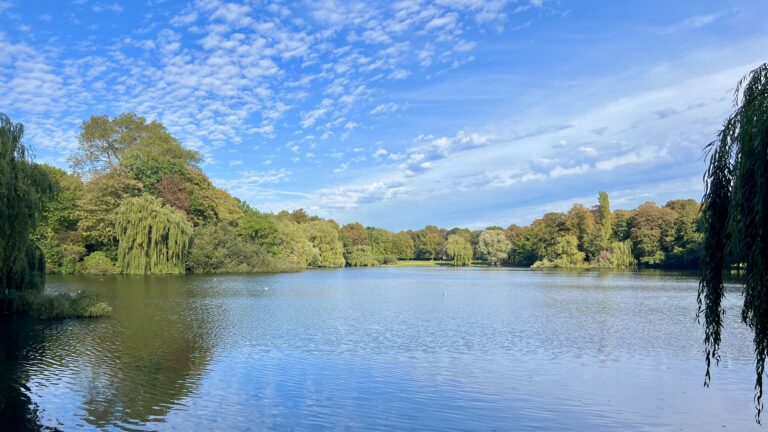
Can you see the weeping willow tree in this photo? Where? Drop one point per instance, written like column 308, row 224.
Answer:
column 23, row 189
column 735, row 222
column 153, row 237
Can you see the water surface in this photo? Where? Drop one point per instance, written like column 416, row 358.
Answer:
column 386, row 349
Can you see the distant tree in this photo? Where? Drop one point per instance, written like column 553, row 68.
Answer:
column 685, row 247
column 324, row 236
column 653, row 232
column 259, row 228
column 525, row 248
column 219, row 249
column 357, row 245
column 361, row 256
column 153, row 237
column 429, row 243
column 300, row 216
column 622, row 224
column 735, row 221
column 563, row 253
column 103, row 141
column 459, row 250
column 493, row 246
column 402, row 245
column 382, row 245
column 580, row 222
column 293, row 248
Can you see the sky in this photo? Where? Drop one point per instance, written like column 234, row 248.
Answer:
column 400, row 113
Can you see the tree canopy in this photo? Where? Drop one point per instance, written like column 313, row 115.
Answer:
column 735, row 222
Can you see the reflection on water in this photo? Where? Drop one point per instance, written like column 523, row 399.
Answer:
column 384, row 349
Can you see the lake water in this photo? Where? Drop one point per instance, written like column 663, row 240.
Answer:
column 385, row 349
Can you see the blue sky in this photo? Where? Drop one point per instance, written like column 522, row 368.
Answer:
column 397, row 113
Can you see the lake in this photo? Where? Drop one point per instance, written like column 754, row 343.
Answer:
column 432, row 349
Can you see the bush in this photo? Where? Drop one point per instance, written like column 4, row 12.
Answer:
column 219, row 249
column 98, row 263
column 361, row 256
column 84, row 304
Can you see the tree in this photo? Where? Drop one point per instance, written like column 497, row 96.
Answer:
column 259, row 228
column 293, row 248
column 357, row 245
column 493, row 246
column 685, row 248
column 56, row 231
column 324, row 236
column 429, row 243
column 153, row 237
column 219, row 249
column 382, row 245
column 101, row 197
column 524, row 250
column 604, row 216
column 402, row 245
column 23, row 188
column 563, row 253
column 580, row 222
column 459, row 250
column 653, row 232
column 103, row 142
column 361, row 256
column 735, row 221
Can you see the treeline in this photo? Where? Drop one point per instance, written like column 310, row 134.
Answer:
column 136, row 202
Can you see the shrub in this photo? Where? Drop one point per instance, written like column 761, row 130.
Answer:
column 98, row 263
column 84, row 304
column 219, row 249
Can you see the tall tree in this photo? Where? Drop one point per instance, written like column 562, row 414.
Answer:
column 735, row 221
column 153, row 237
column 493, row 246
column 429, row 243
column 103, row 142
column 459, row 250
column 23, row 188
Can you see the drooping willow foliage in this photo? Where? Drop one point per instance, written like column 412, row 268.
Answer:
column 153, row 237
column 23, row 188
column 735, row 222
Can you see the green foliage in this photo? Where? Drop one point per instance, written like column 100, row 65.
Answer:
column 328, row 249
column 24, row 186
column 153, row 237
column 429, row 243
column 103, row 142
column 56, row 231
column 525, row 249
column 652, row 233
column 84, row 304
column 101, row 197
column 493, row 246
column 618, row 255
column 735, row 221
column 219, row 249
column 361, row 256
column 564, row 253
column 293, row 248
column 357, row 246
column 459, row 250
column 259, row 228
column 622, row 224
column 383, row 245
column 402, row 245
column 98, row 263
